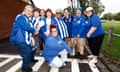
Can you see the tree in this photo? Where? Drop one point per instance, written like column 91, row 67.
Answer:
column 96, row 4
column 108, row 16
column 116, row 16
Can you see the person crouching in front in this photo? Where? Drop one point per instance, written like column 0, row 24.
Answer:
column 56, row 49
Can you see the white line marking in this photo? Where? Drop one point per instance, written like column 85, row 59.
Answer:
column 38, row 64
column 74, row 63
column 93, row 67
column 54, row 69
column 75, row 66
column 6, row 61
column 15, row 67
column 82, row 61
column 9, row 56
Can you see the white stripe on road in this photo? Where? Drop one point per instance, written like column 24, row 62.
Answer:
column 74, row 63
column 75, row 66
column 38, row 64
column 93, row 67
column 15, row 67
column 6, row 61
column 9, row 56
column 82, row 61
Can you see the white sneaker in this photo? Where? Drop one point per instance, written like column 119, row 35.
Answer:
column 93, row 61
column 90, row 56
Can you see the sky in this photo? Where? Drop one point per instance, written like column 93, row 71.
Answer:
column 53, row 4
column 112, row 6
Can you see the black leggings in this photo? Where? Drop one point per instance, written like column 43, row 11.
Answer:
column 95, row 44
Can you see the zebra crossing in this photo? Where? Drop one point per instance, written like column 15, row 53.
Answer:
column 12, row 63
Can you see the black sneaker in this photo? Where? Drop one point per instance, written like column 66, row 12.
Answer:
column 27, row 69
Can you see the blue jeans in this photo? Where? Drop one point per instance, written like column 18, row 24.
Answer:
column 25, row 52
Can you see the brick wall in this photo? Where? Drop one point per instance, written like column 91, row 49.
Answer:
column 8, row 11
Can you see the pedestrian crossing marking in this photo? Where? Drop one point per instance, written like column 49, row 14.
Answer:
column 6, row 61
column 74, row 63
column 38, row 64
column 93, row 67
column 15, row 67
column 75, row 66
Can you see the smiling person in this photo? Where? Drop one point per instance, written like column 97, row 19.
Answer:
column 79, row 31
column 21, row 37
column 56, row 49
column 61, row 26
column 95, row 33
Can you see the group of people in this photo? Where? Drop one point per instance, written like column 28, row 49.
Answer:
column 53, row 33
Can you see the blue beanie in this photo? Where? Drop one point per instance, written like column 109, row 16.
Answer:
column 79, row 8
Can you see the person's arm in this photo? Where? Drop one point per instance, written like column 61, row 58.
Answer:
column 52, row 43
column 65, row 45
column 95, row 20
column 24, row 25
column 91, row 31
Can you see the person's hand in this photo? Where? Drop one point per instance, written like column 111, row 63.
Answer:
column 40, row 24
column 72, row 54
column 33, row 41
column 36, row 33
column 88, row 35
column 78, row 36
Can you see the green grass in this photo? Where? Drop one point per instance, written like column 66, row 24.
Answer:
column 114, row 50
column 114, row 24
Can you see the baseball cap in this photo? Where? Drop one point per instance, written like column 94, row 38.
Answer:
column 79, row 8
column 89, row 9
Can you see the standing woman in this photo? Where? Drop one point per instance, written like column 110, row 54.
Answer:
column 49, row 20
column 68, row 21
column 95, row 33
column 42, row 31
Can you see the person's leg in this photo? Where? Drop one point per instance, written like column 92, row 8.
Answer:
column 25, row 52
column 41, row 43
column 95, row 47
column 33, row 56
column 63, row 55
column 56, row 62
column 82, row 44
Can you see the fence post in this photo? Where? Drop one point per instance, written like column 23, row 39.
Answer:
column 110, row 36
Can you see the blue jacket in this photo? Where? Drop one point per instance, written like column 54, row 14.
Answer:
column 79, row 26
column 68, row 22
column 53, row 45
column 94, row 21
column 44, row 28
column 22, row 30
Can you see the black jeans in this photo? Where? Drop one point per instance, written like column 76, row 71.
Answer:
column 95, row 44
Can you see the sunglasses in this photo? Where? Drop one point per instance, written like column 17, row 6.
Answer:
column 58, row 12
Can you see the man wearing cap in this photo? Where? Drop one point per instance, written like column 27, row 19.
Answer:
column 95, row 33
column 61, row 26
column 78, row 31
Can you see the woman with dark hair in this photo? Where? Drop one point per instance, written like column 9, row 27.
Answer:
column 42, row 31
column 95, row 33
column 68, row 21
column 49, row 20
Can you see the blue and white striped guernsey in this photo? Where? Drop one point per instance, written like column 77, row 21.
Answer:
column 62, row 28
